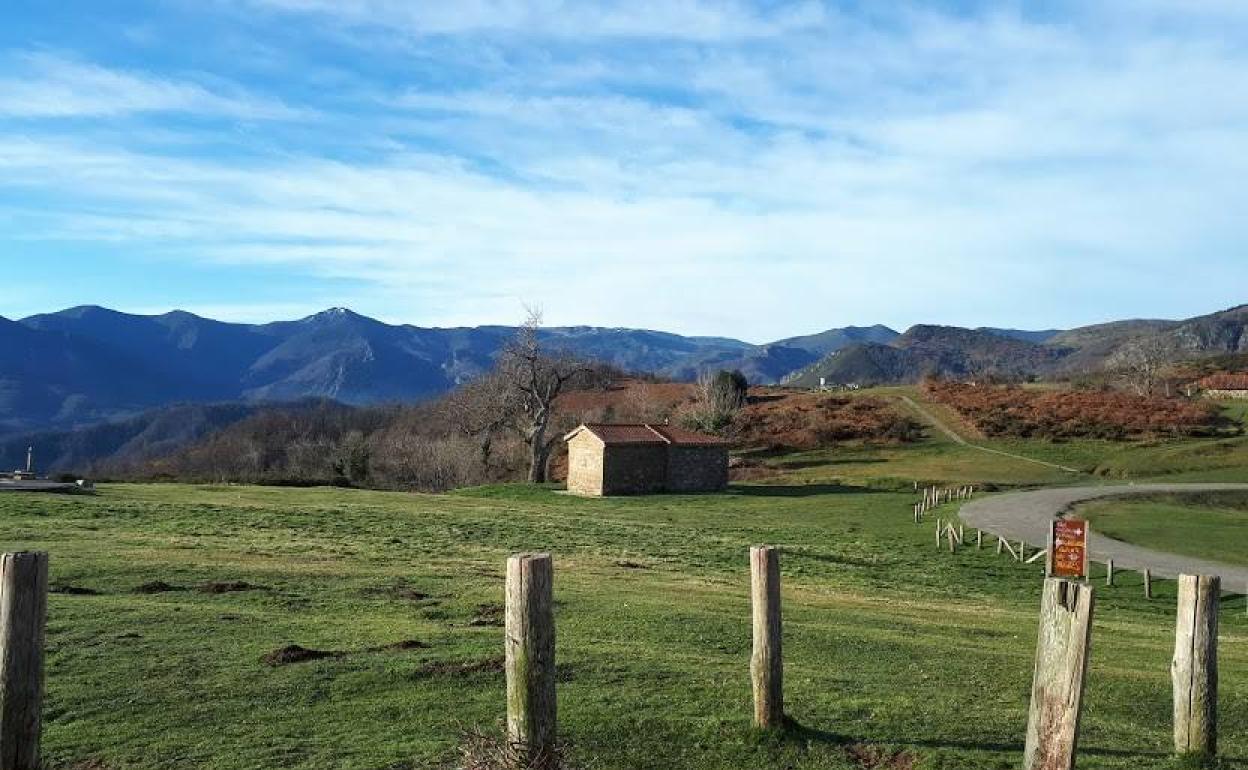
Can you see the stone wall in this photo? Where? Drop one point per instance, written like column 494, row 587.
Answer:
column 697, row 469
column 1238, row 394
column 634, row 469
column 585, row 464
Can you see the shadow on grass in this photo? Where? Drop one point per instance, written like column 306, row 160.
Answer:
column 798, row 490
column 797, row 465
column 796, row 732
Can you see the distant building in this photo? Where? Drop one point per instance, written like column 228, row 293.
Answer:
column 1224, row 386
column 640, row 459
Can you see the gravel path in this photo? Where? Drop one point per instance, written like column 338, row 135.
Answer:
column 1026, row 516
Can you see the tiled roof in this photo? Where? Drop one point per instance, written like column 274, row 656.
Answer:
column 682, row 437
column 640, row 433
column 1225, row 382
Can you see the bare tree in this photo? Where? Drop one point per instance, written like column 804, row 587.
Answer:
column 718, row 398
column 535, row 377
column 480, row 409
column 1143, row 364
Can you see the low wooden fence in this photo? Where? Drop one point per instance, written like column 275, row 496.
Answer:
column 529, row 651
column 934, row 497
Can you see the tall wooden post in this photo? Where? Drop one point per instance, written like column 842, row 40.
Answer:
column 1148, row 584
column 1194, row 670
column 530, row 660
column 767, row 662
column 23, row 616
column 1060, row 672
column 1109, row 572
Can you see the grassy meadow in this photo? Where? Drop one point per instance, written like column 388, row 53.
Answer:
column 1211, row 525
column 169, row 602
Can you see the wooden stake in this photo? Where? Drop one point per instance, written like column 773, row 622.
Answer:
column 1194, row 671
column 1148, row 584
column 938, row 534
column 23, row 618
column 530, row 660
column 1109, row 572
column 1060, row 672
column 979, row 539
column 767, row 662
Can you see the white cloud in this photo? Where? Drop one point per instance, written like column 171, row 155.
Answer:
column 50, row 86
column 704, row 167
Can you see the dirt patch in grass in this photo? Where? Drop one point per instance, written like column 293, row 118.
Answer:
column 461, row 668
column 293, row 653
column 403, row 646
column 71, row 590
column 630, row 565
column 228, row 587
column 397, row 591
column 487, row 615
column 875, row 758
column 156, row 587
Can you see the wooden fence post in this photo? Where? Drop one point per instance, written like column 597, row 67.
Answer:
column 767, row 662
column 1148, row 584
column 938, row 534
column 1060, row 671
column 1194, row 670
column 530, row 660
column 23, row 618
column 1109, row 572
column 979, row 539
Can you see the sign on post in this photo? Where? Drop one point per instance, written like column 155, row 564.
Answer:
column 1068, row 549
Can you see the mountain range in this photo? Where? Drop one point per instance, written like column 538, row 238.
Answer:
column 87, row 365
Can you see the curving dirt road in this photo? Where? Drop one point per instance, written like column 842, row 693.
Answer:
column 1026, row 516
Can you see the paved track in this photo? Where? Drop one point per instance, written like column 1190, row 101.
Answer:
column 1026, row 516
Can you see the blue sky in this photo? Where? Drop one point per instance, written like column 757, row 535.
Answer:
column 755, row 169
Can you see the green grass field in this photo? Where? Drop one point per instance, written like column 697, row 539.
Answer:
column 1210, row 525
column 892, row 648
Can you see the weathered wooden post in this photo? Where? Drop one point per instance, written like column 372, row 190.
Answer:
column 979, row 539
column 23, row 617
column 939, row 533
column 1109, row 572
column 1000, row 543
column 767, row 662
column 1060, row 671
column 1022, row 550
column 1194, row 670
column 1148, row 584
column 530, row 660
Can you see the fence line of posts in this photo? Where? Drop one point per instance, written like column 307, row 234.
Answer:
column 1059, row 676
column 934, row 496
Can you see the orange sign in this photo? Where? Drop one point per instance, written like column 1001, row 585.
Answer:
column 1069, row 554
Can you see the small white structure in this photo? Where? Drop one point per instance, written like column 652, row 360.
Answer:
column 29, row 473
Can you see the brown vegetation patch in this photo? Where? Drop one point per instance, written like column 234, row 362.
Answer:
column 156, row 587
column 293, row 653
column 228, row 587
column 630, row 565
column 784, row 419
column 462, row 668
column 1059, row 414
column 876, row 758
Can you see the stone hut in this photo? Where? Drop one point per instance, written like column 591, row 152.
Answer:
column 1224, row 386
column 644, row 459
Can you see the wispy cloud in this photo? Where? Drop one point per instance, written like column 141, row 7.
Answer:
column 44, row 85
column 759, row 170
